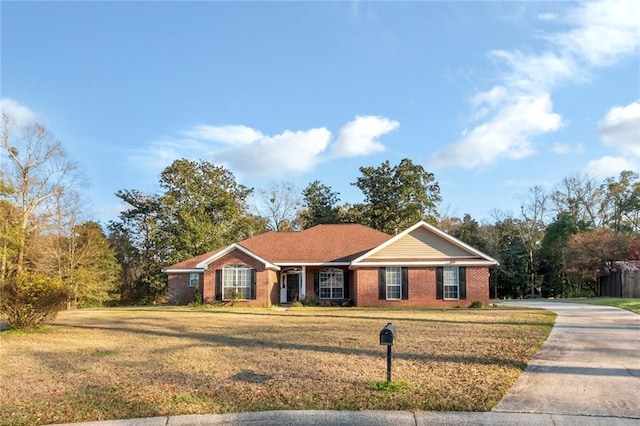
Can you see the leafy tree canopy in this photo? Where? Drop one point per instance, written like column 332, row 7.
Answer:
column 399, row 196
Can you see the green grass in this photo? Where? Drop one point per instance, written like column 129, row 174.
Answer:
column 118, row 363
column 630, row 304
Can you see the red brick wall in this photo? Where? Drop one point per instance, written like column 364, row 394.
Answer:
column 180, row 293
column 422, row 288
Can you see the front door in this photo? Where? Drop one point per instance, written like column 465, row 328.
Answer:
column 293, row 287
column 290, row 286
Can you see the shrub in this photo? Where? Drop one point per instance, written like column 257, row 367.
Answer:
column 475, row 304
column 297, row 304
column 31, row 300
column 311, row 301
column 196, row 299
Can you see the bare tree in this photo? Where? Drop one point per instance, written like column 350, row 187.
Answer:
column 37, row 171
column 581, row 197
column 279, row 202
column 534, row 215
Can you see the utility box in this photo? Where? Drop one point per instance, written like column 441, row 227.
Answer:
column 387, row 335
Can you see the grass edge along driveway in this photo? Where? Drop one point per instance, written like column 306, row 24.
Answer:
column 102, row 364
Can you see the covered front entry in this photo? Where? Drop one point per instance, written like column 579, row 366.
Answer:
column 292, row 285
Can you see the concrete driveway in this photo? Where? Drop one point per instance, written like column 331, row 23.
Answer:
column 589, row 365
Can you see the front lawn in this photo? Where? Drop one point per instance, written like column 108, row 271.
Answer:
column 144, row 362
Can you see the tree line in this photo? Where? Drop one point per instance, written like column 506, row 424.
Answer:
column 557, row 244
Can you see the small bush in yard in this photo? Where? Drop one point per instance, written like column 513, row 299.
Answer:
column 31, row 300
column 389, row 386
column 476, row 304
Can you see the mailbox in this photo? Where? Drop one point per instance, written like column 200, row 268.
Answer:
column 387, row 334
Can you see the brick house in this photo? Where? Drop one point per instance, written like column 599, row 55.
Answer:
column 338, row 264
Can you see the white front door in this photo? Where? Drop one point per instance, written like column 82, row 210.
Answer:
column 283, row 289
column 291, row 286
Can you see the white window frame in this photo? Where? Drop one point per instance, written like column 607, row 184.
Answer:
column 194, row 279
column 451, row 283
column 236, row 277
column 331, row 280
column 393, row 282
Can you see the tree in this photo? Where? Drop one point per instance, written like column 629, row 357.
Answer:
column 398, row 197
column 551, row 265
column 511, row 275
column 138, row 243
column 621, row 205
column 590, row 254
column 37, row 171
column 580, row 197
column 202, row 208
column 279, row 203
column 320, row 206
column 531, row 229
column 468, row 231
column 94, row 272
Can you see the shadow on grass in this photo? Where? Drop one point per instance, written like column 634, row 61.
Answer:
column 253, row 343
column 317, row 313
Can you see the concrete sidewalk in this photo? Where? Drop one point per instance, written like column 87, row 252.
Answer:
column 370, row 418
column 587, row 373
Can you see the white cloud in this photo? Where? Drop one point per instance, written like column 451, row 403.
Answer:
column 567, row 148
column 506, row 135
column 604, row 31
column 280, row 154
column 248, row 151
column 601, row 33
column 609, row 166
column 234, row 135
column 20, row 114
column 360, row 136
column 621, row 128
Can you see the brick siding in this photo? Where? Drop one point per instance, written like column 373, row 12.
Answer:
column 266, row 280
column 422, row 288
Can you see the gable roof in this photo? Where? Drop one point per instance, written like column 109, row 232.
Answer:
column 424, row 244
column 335, row 244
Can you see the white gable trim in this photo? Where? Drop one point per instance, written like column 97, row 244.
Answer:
column 180, row 271
column 431, row 228
column 205, row 263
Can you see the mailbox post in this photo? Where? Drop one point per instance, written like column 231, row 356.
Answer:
column 387, row 335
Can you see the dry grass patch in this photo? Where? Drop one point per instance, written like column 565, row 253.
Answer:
column 141, row 362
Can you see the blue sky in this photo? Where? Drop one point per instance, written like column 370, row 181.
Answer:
column 492, row 97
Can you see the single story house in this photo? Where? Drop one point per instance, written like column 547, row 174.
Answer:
column 338, row 264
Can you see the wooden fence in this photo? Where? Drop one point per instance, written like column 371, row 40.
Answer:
column 620, row 284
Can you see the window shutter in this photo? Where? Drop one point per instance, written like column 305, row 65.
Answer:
column 382, row 283
column 316, row 284
column 462, row 282
column 218, row 284
column 254, row 278
column 405, row 283
column 345, row 277
column 439, row 286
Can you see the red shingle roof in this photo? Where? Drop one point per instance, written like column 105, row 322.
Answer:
column 320, row 244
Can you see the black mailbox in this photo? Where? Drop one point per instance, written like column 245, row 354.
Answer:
column 387, row 334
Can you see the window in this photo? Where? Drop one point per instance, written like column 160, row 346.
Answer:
column 194, row 279
column 393, row 283
column 331, row 284
column 393, row 279
column 450, row 282
column 236, row 282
